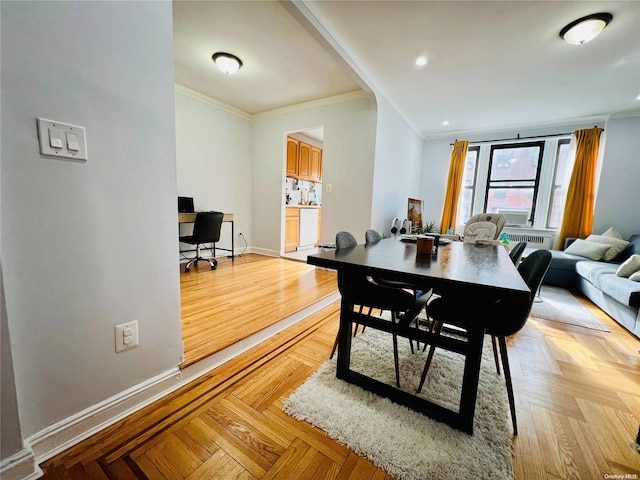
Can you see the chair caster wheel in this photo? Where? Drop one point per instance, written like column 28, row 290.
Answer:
column 213, row 267
column 186, row 270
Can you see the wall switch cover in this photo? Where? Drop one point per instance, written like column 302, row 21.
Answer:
column 62, row 140
column 126, row 336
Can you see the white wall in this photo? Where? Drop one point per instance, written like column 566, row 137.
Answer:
column 86, row 246
column 397, row 167
column 348, row 159
column 618, row 198
column 214, row 163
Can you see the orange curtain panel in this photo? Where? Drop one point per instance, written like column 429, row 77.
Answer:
column 454, row 184
column 577, row 220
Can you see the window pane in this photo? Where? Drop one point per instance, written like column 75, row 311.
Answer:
column 464, row 206
column 512, row 198
column 518, row 163
column 557, row 196
column 561, row 164
column 465, row 202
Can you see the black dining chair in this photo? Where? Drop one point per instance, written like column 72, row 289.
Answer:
column 504, row 318
column 206, row 229
column 403, row 305
column 516, row 252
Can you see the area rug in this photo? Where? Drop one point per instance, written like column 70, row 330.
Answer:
column 404, row 443
column 559, row 305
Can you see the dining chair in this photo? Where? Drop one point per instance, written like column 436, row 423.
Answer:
column 403, row 305
column 372, row 237
column 505, row 318
column 516, row 252
column 206, row 229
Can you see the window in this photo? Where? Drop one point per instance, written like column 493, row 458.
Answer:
column 558, row 188
column 465, row 201
column 514, row 176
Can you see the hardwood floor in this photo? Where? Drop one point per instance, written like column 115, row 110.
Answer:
column 577, row 398
column 238, row 299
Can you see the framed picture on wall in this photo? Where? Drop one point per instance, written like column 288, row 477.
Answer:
column 414, row 214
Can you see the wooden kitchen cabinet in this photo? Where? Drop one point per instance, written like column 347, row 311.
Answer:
column 291, row 229
column 315, row 168
column 292, row 157
column 304, row 161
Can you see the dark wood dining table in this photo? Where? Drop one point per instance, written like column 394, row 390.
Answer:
column 477, row 274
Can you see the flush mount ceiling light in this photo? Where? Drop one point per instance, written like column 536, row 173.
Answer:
column 421, row 61
column 227, row 62
column 585, row 28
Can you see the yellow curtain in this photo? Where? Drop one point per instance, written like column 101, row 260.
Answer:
column 577, row 220
column 454, row 184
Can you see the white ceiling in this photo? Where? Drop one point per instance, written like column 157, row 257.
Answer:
column 492, row 65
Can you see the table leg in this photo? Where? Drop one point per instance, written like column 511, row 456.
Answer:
column 344, row 334
column 469, row 394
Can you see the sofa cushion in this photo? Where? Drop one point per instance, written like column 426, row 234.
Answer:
column 592, row 270
column 591, row 250
column 617, row 246
column 564, row 261
column 613, row 233
column 621, row 289
column 635, row 276
column 632, row 248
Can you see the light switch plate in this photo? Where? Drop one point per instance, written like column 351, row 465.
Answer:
column 126, row 335
column 45, row 127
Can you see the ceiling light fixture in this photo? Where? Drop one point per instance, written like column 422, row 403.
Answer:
column 421, row 61
column 227, row 62
column 445, row 123
column 586, row 28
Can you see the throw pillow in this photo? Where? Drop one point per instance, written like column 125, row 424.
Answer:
column 613, row 233
column 635, row 276
column 617, row 245
column 591, row 250
column 630, row 266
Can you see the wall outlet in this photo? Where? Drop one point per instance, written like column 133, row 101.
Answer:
column 126, row 336
column 239, row 232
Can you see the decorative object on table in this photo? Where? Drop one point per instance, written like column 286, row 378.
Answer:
column 414, row 215
column 396, row 225
column 405, row 443
column 560, row 305
column 407, row 227
column 430, row 226
column 504, row 238
column 424, row 246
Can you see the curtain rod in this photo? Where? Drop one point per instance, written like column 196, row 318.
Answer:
column 523, row 138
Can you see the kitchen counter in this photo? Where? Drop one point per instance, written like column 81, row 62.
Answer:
column 303, row 206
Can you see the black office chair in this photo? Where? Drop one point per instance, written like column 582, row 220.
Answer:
column 365, row 293
column 206, row 229
column 505, row 318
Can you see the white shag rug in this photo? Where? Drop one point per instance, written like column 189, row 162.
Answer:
column 559, row 305
column 407, row 444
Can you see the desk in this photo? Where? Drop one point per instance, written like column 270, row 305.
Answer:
column 479, row 273
column 228, row 217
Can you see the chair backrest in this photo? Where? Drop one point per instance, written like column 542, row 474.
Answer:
column 206, row 228
column 371, row 236
column 345, row 240
column 496, row 218
column 479, row 231
column 517, row 251
column 510, row 317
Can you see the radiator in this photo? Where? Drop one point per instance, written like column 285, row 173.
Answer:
column 533, row 240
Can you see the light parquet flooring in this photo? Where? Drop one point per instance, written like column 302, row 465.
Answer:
column 577, row 399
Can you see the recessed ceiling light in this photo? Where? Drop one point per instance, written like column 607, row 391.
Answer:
column 445, row 123
column 227, row 62
column 421, row 61
column 586, row 28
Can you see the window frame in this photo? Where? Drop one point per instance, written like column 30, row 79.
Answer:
column 536, row 182
column 475, row 148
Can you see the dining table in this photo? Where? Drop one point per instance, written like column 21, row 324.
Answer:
column 477, row 275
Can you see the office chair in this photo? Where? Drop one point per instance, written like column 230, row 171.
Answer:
column 206, row 229
column 505, row 318
column 403, row 306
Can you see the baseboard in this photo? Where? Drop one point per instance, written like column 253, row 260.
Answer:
column 265, row 251
column 72, row 430
column 20, row 466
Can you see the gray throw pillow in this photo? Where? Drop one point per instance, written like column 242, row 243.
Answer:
column 630, row 266
column 617, row 245
column 591, row 250
column 613, row 233
column 635, row 276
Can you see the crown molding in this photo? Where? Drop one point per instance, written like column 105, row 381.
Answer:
column 322, row 102
column 187, row 92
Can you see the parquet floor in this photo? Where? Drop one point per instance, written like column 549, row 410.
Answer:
column 577, row 398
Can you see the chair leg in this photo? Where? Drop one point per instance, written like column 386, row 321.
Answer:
column 507, row 376
column 436, row 328
column 335, row 345
column 495, row 353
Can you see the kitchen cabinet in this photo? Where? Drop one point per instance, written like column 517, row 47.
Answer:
column 315, row 167
column 291, row 229
column 292, row 157
column 304, row 161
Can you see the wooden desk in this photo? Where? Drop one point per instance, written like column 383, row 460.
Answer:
column 480, row 274
column 228, row 217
